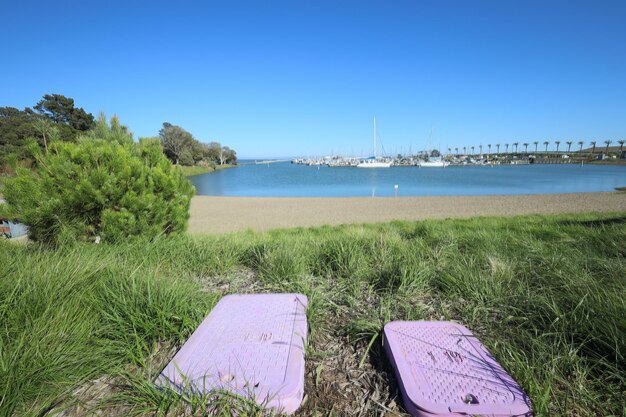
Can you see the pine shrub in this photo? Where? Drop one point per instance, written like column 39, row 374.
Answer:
column 103, row 186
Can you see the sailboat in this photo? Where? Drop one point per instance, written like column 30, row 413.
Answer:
column 433, row 161
column 373, row 162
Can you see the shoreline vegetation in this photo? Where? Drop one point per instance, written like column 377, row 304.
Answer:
column 55, row 118
column 87, row 328
column 190, row 171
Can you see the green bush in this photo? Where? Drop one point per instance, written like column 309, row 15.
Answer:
column 104, row 185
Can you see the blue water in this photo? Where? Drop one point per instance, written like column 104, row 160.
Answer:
column 287, row 180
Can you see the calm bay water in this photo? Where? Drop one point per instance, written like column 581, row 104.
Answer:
column 287, row 180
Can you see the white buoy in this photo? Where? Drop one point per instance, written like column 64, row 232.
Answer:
column 395, row 190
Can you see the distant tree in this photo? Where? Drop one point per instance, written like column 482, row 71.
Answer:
column 535, row 143
column 215, row 150
column 464, row 150
column 456, row 150
column 472, row 150
column 581, row 143
column 546, row 143
column 569, row 145
column 525, row 147
column 64, row 122
column 481, row 148
column 229, row 156
column 507, row 147
column 497, row 148
column 61, row 110
column 608, row 142
column 16, row 126
column 557, row 142
column 593, row 147
column 199, row 151
column 515, row 144
column 489, row 146
column 621, row 145
column 177, row 143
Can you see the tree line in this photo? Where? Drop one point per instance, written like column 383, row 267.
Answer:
column 56, row 118
column 182, row 148
column 514, row 147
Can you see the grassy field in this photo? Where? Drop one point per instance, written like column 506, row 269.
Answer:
column 198, row 170
column 88, row 327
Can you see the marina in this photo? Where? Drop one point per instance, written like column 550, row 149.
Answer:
column 435, row 159
column 293, row 180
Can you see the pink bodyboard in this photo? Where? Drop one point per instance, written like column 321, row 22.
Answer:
column 443, row 370
column 250, row 345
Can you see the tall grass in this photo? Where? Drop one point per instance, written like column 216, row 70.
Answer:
column 74, row 315
column 546, row 294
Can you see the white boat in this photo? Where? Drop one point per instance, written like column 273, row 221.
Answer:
column 433, row 161
column 374, row 162
column 433, row 164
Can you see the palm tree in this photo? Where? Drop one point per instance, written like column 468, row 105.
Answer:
column 507, row 147
column 515, row 144
column 546, row 143
column 593, row 146
column 558, row 142
column 449, row 151
column 489, row 146
column 498, row 148
column 581, row 143
column 608, row 142
column 472, row 150
column 481, row 148
column 456, row 150
column 464, row 150
column 621, row 145
column 569, row 145
column 525, row 148
column 535, row 143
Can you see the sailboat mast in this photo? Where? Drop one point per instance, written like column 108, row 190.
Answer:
column 374, row 137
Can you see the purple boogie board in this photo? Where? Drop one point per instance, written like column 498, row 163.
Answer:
column 250, row 345
column 443, row 370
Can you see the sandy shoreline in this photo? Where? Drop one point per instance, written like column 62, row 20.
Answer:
column 229, row 214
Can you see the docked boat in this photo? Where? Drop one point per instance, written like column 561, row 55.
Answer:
column 374, row 161
column 433, row 163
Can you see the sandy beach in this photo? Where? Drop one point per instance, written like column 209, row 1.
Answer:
column 229, row 214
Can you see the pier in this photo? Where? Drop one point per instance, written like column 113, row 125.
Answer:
column 268, row 161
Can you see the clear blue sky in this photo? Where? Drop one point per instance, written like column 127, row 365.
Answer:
column 294, row 78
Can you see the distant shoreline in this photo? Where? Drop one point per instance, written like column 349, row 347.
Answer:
column 191, row 171
column 229, row 214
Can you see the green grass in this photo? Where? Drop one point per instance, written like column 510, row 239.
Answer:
column 546, row 295
column 189, row 171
